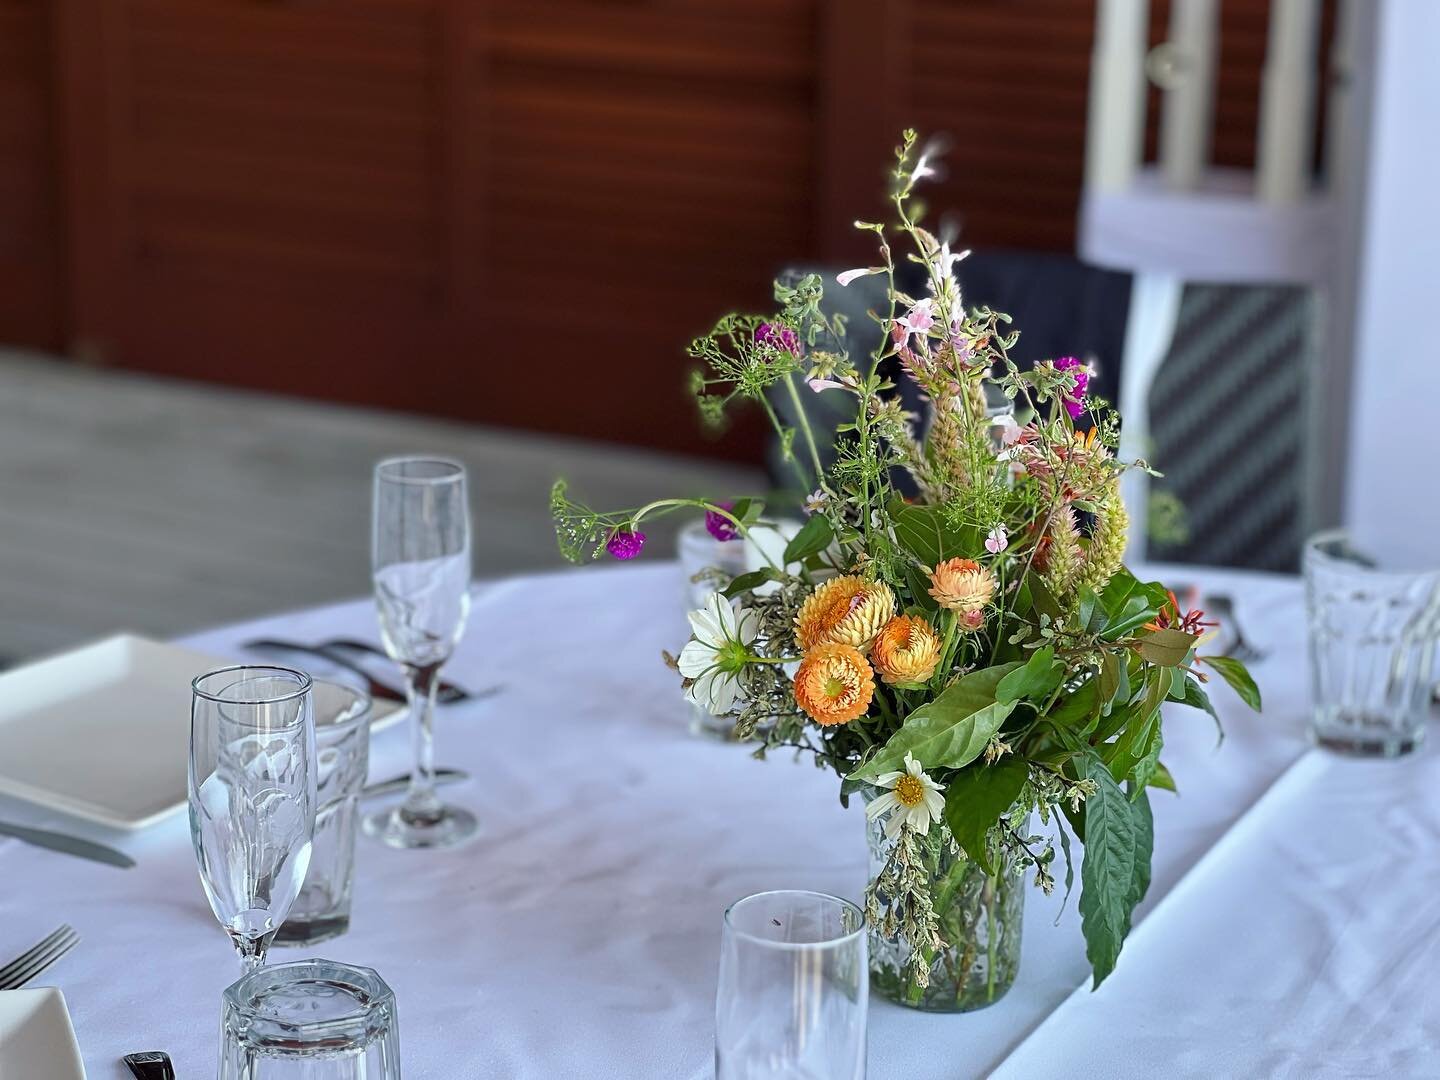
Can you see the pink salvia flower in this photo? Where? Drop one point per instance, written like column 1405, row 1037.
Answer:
column 720, row 526
column 917, row 320
column 997, row 540
column 625, row 543
column 863, row 271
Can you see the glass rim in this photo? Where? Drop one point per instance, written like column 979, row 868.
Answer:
column 303, row 683
column 815, row 894
column 1313, row 547
column 246, row 993
column 384, row 469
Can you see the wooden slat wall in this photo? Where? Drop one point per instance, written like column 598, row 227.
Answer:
column 382, row 200
column 30, row 293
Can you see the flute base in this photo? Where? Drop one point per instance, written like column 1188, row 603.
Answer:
column 397, row 827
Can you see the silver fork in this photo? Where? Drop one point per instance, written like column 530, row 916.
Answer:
column 38, row 958
column 1223, row 608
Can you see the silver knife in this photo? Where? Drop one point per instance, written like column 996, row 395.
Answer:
column 70, row 845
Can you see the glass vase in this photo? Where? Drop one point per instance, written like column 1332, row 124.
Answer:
column 980, row 917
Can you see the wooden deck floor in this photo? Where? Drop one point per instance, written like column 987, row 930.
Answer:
column 129, row 502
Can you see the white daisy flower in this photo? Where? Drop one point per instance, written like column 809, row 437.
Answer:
column 913, row 796
column 717, row 653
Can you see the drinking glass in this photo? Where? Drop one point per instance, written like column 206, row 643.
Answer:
column 342, row 758
column 252, row 797
column 1373, row 638
column 421, row 562
column 309, row 1020
column 794, row 985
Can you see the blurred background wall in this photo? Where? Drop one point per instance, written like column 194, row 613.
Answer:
column 372, row 200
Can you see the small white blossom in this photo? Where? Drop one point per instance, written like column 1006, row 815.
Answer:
column 912, row 796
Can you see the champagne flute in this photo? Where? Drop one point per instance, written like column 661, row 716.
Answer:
column 421, row 564
column 252, row 797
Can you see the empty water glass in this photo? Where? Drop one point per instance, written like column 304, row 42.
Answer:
column 1373, row 638
column 310, row 1020
column 342, row 758
column 794, row 986
column 252, row 797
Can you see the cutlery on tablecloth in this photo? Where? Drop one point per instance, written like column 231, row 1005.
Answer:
column 446, row 693
column 1223, row 608
column 373, row 686
column 69, row 845
column 150, row 1065
column 401, row 783
column 37, row 959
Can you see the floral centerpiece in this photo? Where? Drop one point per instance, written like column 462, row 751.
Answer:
column 972, row 659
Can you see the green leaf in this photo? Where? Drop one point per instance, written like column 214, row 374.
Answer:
column 814, row 537
column 749, row 580
column 977, row 797
column 1129, row 603
column 1143, row 769
column 1073, row 708
column 925, row 534
column 1166, row 648
column 1196, row 698
column 1039, row 677
column 1235, row 673
column 1162, row 778
column 1112, row 880
column 1108, row 681
column 1069, row 870
column 1144, row 844
column 950, row 731
column 1092, row 616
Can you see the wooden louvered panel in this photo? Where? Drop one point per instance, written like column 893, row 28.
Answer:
column 30, row 296
column 284, row 141
column 651, row 164
column 1008, row 82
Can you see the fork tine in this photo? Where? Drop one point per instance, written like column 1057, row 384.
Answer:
column 30, row 953
column 43, row 961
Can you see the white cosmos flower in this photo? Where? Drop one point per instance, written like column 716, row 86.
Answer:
column 716, row 653
column 913, row 796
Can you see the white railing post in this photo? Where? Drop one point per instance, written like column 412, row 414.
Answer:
column 1287, row 100
column 1115, row 128
column 1189, row 103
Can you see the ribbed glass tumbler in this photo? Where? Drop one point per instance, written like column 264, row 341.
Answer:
column 1373, row 638
column 309, row 1020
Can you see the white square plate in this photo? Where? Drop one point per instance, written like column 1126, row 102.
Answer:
column 36, row 1037
column 103, row 732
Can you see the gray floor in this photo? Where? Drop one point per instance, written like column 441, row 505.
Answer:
column 128, row 502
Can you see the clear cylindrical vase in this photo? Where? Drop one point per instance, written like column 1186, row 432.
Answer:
column 980, row 917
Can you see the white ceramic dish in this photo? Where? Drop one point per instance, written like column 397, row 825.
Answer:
column 102, row 732
column 36, row 1037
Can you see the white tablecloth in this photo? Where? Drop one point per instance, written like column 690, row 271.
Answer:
column 578, row 937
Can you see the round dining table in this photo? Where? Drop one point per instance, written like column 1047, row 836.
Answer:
column 1290, row 930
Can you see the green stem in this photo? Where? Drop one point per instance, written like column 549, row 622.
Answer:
column 804, row 419
column 664, row 506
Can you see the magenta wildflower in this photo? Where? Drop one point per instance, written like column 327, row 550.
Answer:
column 625, row 543
column 1074, row 400
column 721, row 527
column 779, row 337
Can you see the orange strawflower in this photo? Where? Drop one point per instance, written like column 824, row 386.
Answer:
column 907, row 650
column 962, row 586
column 845, row 610
column 834, row 684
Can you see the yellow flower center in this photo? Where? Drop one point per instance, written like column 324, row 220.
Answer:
column 834, row 687
column 909, row 790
